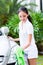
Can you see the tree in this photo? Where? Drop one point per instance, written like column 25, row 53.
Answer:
column 7, row 8
column 3, row 11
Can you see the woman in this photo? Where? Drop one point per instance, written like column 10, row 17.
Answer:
column 26, row 36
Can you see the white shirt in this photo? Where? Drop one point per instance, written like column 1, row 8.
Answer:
column 25, row 29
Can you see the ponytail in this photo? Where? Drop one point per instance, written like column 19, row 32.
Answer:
column 29, row 18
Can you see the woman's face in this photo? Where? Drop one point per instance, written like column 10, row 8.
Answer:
column 23, row 16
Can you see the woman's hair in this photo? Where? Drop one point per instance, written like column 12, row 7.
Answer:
column 24, row 9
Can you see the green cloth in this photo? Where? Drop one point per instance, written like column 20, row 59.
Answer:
column 20, row 56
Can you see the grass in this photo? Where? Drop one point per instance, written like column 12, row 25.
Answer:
column 40, row 60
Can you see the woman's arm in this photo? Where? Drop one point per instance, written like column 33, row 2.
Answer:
column 28, row 41
column 17, row 39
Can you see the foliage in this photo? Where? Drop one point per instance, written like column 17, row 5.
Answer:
column 7, row 9
column 3, row 11
column 37, row 20
column 13, row 25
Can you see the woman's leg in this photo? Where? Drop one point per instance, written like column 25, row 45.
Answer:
column 32, row 61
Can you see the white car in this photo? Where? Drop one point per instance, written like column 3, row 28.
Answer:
column 5, row 49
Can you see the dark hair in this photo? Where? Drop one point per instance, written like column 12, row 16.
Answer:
column 24, row 9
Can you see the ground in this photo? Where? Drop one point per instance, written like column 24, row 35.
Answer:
column 40, row 60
